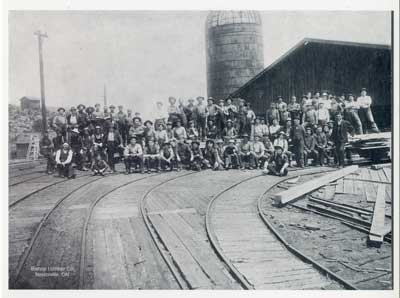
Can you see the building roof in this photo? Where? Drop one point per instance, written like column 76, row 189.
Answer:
column 225, row 17
column 31, row 98
column 310, row 41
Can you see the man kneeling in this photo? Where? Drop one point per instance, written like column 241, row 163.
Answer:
column 133, row 156
column 99, row 165
column 64, row 161
column 277, row 163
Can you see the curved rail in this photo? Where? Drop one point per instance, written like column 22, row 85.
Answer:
column 13, row 204
column 82, row 263
column 27, row 251
column 182, row 282
column 295, row 251
column 26, row 180
column 235, row 273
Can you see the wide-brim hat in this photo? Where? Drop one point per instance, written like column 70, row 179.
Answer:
column 66, row 144
column 161, row 124
column 72, row 109
column 210, row 141
column 278, row 147
column 279, row 96
column 138, row 118
column 81, row 106
column 166, row 143
column 89, row 109
column 219, row 141
column 200, row 97
column 97, row 105
column 169, row 123
column 97, row 126
column 363, row 89
column 231, row 141
column 191, row 99
column 210, row 98
column 112, row 107
column 245, row 135
column 196, row 142
column 61, row 108
column 283, row 133
column 75, row 130
column 229, row 120
column 148, row 121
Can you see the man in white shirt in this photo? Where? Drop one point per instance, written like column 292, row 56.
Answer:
column 133, row 154
column 367, row 119
column 160, row 114
column 64, row 162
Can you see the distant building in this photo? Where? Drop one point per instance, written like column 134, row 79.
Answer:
column 316, row 65
column 30, row 103
column 22, row 145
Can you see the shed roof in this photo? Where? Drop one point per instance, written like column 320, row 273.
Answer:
column 310, row 41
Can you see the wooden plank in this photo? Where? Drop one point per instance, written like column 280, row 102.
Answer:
column 377, row 229
column 187, row 265
column 381, row 166
column 300, row 190
column 377, row 180
column 388, row 173
column 340, row 206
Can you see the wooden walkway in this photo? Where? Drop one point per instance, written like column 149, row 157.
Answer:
column 252, row 248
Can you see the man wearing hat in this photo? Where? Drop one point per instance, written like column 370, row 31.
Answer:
column 174, row 112
column 167, row 157
column 72, row 117
column 323, row 115
column 160, row 114
column 321, row 145
column 219, row 154
column 75, row 141
column 184, row 154
column 46, row 150
column 161, row 134
column 137, row 129
column 278, row 163
column 298, row 134
column 81, row 117
column 258, row 151
column 246, row 158
column 113, row 113
column 114, row 144
column 190, row 111
column 209, row 155
column 97, row 111
column 64, row 161
column 179, row 131
column 197, row 159
column 341, row 129
column 133, row 154
column 192, row 131
column 231, row 156
column 309, row 147
column 87, row 147
column 272, row 114
column 149, row 131
column 152, row 156
column 230, row 110
column 294, row 108
column 364, row 101
column 211, row 130
column 120, row 118
column 351, row 109
column 281, row 106
column 201, row 114
column 91, row 118
column 310, row 117
column 229, row 131
column 242, row 113
column 60, row 121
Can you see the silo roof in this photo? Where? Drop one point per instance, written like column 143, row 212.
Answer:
column 225, row 17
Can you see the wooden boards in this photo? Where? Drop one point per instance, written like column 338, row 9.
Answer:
column 377, row 230
column 293, row 193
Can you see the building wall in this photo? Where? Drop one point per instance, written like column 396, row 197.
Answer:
column 337, row 68
column 234, row 56
column 30, row 104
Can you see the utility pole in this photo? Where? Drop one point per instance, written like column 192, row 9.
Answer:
column 40, row 35
column 105, row 95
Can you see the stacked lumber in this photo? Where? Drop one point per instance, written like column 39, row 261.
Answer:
column 371, row 141
column 298, row 191
column 378, row 230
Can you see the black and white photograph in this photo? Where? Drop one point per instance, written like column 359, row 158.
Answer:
column 201, row 150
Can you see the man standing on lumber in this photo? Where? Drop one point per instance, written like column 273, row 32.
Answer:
column 277, row 164
column 340, row 132
column 364, row 101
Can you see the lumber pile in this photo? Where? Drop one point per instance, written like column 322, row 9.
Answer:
column 299, row 191
column 377, row 230
column 371, row 141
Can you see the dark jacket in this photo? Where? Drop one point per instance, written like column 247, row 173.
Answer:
column 339, row 134
column 117, row 138
column 298, row 133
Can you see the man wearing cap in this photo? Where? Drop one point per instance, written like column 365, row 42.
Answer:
column 246, row 158
column 184, row 155
column 364, row 101
column 46, row 149
column 75, row 141
column 64, row 161
column 60, row 121
column 298, row 134
column 201, row 113
column 179, row 131
column 294, row 108
column 321, row 145
column 309, row 147
column 149, row 131
column 281, row 141
column 72, row 117
column 231, row 155
column 341, row 129
column 174, row 112
column 351, row 108
column 167, row 157
column 137, row 129
column 114, row 143
column 82, row 117
column 197, row 159
column 209, row 155
column 272, row 114
column 152, row 156
column 133, row 154
column 258, row 152
column 278, row 163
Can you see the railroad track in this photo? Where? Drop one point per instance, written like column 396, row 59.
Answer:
column 254, row 252
column 18, row 194
column 25, row 178
column 63, row 228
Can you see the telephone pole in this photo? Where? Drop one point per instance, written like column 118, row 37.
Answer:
column 40, row 36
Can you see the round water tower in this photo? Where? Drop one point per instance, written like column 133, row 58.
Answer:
column 234, row 47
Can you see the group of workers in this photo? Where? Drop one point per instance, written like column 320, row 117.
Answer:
column 198, row 135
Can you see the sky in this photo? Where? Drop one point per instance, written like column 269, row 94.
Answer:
column 143, row 57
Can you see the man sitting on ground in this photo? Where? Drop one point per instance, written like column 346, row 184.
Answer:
column 278, row 163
